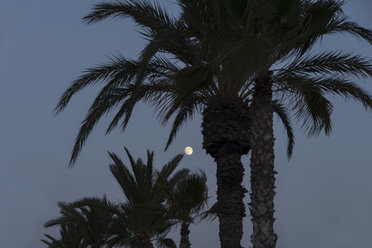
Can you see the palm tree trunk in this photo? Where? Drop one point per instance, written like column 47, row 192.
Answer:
column 262, row 166
column 225, row 130
column 185, row 241
column 230, row 194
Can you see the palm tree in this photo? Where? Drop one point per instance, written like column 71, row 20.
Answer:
column 139, row 227
column 165, row 83
column 70, row 238
column 299, row 78
column 144, row 217
column 186, row 198
column 217, row 53
column 90, row 222
column 136, row 223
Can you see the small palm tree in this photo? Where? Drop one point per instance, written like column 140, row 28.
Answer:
column 90, row 222
column 70, row 237
column 137, row 223
column 141, row 226
column 143, row 218
column 186, row 199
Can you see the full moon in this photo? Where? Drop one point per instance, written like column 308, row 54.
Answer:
column 188, row 150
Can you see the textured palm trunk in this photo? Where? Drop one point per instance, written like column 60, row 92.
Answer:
column 225, row 131
column 185, row 241
column 262, row 166
column 230, row 194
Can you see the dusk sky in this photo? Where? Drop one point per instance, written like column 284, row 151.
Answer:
column 324, row 197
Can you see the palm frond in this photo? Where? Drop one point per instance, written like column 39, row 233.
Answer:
column 283, row 114
column 166, row 243
column 354, row 29
column 154, row 92
column 158, row 43
column 325, row 18
column 331, row 62
column 308, row 102
column 95, row 202
column 123, row 176
column 185, row 112
column 170, row 167
column 210, row 214
column 177, row 176
column 117, row 68
column 164, row 32
column 187, row 81
column 319, row 19
column 96, row 111
column 51, row 242
column 347, row 89
column 144, row 13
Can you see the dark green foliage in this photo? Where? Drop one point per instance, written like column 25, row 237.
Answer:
column 70, row 237
column 87, row 219
column 282, row 112
column 215, row 52
column 217, row 49
column 146, row 216
column 187, row 197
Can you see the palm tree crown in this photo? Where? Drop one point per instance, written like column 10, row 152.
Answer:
column 86, row 223
column 204, row 58
column 186, row 198
column 70, row 237
column 139, row 221
column 144, row 217
column 226, row 59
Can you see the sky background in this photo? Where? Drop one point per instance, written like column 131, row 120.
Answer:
column 324, row 197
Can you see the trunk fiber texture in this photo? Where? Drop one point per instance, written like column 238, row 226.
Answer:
column 262, row 166
column 226, row 133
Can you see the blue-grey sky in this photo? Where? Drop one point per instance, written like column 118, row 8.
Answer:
column 324, row 195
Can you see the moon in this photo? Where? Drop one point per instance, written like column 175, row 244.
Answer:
column 188, row 150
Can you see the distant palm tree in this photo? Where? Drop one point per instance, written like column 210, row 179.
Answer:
column 89, row 222
column 186, row 199
column 140, row 227
column 70, row 237
column 219, row 54
column 144, row 217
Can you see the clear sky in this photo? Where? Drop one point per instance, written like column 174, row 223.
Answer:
column 324, row 195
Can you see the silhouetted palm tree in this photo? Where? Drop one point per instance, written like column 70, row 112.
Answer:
column 300, row 78
column 220, row 52
column 143, row 218
column 90, row 222
column 70, row 237
column 186, row 198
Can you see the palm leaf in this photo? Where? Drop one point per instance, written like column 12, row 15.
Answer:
column 331, row 62
column 282, row 112
column 118, row 67
column 308, row 102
